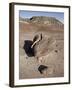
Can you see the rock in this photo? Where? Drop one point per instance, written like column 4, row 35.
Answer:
column 42, row 68
column 44, row 46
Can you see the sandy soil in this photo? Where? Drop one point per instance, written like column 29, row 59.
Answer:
column 28, row 66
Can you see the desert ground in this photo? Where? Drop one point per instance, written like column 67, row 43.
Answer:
column 54, row 60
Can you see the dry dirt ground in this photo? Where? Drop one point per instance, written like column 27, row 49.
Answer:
column 28, row 66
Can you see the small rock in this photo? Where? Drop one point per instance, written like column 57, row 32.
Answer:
column 56, row 51
column 42, row 68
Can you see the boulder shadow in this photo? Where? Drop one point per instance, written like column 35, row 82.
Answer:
column 27, row 47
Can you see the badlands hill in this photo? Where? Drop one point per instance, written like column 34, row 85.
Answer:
column 41, row 23
column 42, row 20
